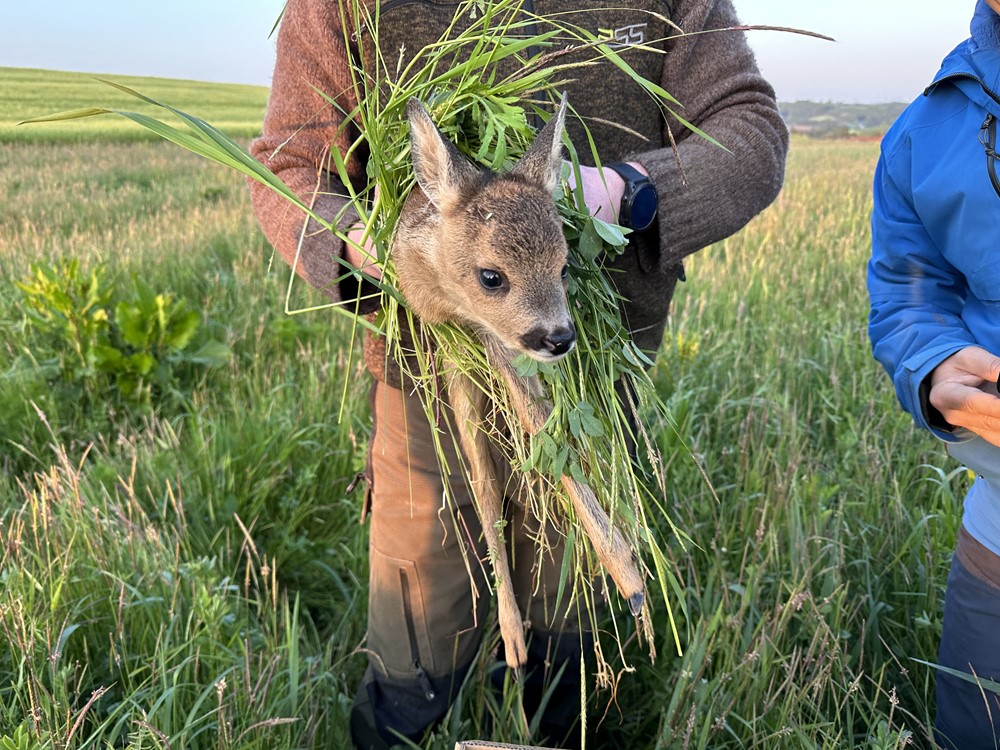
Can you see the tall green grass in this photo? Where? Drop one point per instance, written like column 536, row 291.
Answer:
column 820, row 564
column 195, row 575
column 195, row 569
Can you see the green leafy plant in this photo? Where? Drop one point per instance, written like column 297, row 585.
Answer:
column 22, row 740
column 153, row 334
column 71, row 308
column 133, row 346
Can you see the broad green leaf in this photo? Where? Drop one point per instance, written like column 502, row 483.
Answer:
column 559, row 462
column 613, row 234
column 525, row 366
column 107, row 358
column 141, row 363
column 575, row 424
column 182, row 328
column 136, row 327
column 589, row 247
column 548, row 445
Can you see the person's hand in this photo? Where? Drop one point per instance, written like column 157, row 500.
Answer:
column 359, row 250
column 603, row 197
column 964, row 390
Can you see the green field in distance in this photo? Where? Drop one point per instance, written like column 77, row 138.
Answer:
column 26, row 93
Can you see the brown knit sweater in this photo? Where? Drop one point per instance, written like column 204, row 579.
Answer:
column 706, row 193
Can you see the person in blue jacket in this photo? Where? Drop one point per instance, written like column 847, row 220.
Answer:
column 934, row 284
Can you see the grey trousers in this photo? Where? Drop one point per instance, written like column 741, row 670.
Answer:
column 429, row 577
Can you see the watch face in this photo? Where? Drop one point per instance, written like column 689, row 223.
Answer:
column 643, row 209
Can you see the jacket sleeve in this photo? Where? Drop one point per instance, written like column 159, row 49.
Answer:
column 300, row 124
column 916, row 295
column 708, row 193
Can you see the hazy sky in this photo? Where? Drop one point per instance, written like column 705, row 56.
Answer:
column 885, row 49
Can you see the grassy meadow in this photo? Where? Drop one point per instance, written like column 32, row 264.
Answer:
column 182, row 564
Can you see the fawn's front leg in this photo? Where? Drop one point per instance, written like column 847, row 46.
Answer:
column 469, row 404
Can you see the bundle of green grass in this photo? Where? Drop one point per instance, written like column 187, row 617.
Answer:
column 600, row 393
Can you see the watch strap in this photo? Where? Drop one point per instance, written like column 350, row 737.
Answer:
column 628, row 172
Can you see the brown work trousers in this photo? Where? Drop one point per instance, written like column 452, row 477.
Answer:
column 430, row 577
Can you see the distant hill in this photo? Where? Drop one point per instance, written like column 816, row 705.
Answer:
column 834, row 120
column 238, row 109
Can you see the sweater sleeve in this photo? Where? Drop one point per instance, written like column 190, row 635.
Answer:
column 708, row 193
column 300, row 126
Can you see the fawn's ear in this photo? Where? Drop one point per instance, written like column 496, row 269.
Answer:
column 542, row 162
column 439, row 167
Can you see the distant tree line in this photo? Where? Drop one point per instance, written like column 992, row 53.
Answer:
column 838, row 120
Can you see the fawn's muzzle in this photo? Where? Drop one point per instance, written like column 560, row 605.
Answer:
column 550, row 343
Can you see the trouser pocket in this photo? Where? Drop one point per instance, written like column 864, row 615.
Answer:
column 397, row 622
column 411, row 633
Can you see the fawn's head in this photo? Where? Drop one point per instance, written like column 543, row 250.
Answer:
column 487, row 249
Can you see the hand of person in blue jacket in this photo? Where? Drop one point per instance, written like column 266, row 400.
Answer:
column 964, row 390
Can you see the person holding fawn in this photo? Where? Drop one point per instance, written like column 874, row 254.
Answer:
column 426, row 618
column 934, row 284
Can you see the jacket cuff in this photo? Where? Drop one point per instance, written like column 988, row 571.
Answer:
column 917, row 388
column 935, row 420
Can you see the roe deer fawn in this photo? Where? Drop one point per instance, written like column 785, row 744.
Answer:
column 487, row 251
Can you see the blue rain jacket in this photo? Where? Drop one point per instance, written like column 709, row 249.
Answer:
column 934, row 275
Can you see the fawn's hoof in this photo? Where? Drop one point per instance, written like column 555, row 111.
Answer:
column 515, row 653
column 635, row 602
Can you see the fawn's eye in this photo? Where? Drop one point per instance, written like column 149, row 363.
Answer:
column 490, row 279
column 564, row 274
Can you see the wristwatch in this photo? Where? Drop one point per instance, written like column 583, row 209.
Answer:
column 639, row 204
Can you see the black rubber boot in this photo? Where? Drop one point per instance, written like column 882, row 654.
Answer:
column 385, row 710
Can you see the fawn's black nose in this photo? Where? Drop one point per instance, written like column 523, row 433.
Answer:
column 549, row 343
column 559, row 341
